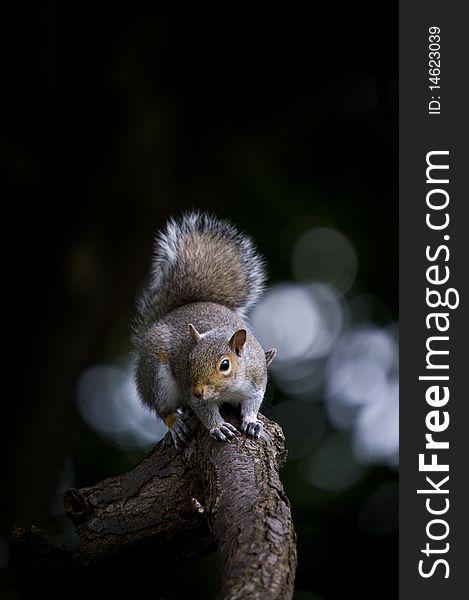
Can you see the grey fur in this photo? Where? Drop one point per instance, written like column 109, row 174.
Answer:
column 205, row 276
column 200, row 258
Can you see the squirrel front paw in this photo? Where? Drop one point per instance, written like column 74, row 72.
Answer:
column 225, row 432
column 179, row 433
column 251, row 427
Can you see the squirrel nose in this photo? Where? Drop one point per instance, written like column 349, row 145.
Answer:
column 198, row 391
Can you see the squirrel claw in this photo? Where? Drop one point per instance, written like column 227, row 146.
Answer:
column 179, row 433
column 224, row 432
column 252, row 428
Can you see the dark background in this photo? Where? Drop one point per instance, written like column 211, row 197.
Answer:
column 115, row 118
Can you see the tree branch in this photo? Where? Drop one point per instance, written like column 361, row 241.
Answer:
column 173, row 506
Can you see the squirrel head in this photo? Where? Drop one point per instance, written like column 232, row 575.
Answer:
column 216, row 362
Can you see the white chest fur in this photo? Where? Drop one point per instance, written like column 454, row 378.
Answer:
column 239, row 395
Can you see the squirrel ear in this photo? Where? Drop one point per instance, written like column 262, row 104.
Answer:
column 195, row 335
column 270, row 355
column 237, row 341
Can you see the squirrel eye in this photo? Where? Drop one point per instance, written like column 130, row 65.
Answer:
column 224, row 365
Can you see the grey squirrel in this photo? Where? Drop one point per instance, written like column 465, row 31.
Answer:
column 194, row 348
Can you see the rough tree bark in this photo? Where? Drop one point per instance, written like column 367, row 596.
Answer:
column 173, row 506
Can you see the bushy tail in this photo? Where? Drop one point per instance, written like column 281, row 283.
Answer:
column 199, row 258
